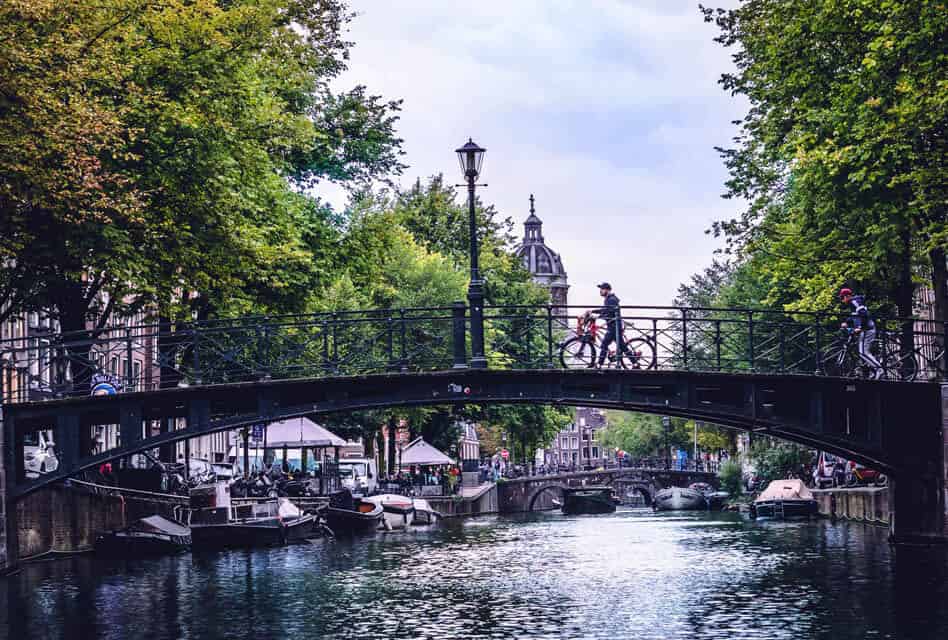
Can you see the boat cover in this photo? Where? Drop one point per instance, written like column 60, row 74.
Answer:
column 790, row 489
column 159, row 524
column 288, row 510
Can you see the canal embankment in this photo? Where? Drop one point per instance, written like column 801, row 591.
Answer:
column 859, row 504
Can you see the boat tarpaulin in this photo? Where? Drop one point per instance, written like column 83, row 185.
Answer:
column 790, row 489
column 159, row 524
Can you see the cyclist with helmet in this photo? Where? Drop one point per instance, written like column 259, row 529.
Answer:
column 863, row 327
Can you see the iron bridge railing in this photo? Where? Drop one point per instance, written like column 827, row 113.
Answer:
column 44, row 364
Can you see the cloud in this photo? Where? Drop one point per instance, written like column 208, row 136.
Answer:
column 607, row 110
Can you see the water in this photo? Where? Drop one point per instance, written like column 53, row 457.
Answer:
column 632, row 574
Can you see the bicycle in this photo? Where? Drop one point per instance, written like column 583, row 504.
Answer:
column 843, row 359
column 579, row 352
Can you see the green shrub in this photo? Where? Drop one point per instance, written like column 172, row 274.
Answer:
column 730, row 476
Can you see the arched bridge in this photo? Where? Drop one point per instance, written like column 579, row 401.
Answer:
column 745, row 369
column 532, row 493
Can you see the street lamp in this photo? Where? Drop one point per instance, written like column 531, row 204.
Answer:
column 471, row 157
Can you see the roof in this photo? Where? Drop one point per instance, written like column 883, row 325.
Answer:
column 419, row 452
column 301, row 432
column 790, row 489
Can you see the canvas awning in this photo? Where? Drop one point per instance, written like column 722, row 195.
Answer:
column 418, row 452
column 300, row 433
column 791, row 489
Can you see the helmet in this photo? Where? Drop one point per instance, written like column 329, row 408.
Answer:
column 604, row 285
column 845, row 292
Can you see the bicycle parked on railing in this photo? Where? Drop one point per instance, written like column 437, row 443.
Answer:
column 843, row 361
column 579, row 352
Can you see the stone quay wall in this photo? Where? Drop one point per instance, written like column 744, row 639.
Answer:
column 861, row 504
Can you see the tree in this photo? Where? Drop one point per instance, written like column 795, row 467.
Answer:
column 839, row 151
column 188, row 130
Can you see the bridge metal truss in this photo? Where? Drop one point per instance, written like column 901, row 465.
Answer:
column 888, row 425
column 44, row 365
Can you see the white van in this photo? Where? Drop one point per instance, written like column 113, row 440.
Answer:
column 38, row 454
column 359, row 475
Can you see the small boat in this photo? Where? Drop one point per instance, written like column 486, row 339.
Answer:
column 587, row 500
column 678, row 499
column 398, row 512
column 152, row 535
column 714, row 499
column 784, row 499
column 348, row 515
column 424, row 513
column 217, row 523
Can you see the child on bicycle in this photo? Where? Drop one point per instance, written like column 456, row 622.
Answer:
column 863, row 327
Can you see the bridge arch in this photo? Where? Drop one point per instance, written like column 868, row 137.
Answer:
column 531, row 502
column 860, row 420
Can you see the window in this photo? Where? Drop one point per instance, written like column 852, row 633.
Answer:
column 582, row 421
column 137, row 374
column 595, row 452
column 114, row 366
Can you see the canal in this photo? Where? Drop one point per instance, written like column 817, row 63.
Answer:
column 632, row 574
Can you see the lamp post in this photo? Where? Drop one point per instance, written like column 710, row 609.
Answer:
column 470, row 157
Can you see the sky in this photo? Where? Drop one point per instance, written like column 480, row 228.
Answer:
column 607, row 111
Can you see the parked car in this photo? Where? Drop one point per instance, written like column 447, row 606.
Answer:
column 830, row 471
column 39, row 454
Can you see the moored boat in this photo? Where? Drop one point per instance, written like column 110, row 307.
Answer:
column 348, row 515
column 152, row 535
column 784, row 499
column 587, row 500
column 678, row 499
column 217, row 523
column 424, row 513
column 398, row 512
column 714, row 499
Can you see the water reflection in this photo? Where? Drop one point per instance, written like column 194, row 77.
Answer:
column 632, row 574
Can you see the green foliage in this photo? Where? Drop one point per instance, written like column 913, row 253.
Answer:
column 731, row 476
column 643, row 435
column 779, row 460
column 842, row 154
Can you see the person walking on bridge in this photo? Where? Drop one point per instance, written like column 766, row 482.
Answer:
column 609, row 312
column 863, row 327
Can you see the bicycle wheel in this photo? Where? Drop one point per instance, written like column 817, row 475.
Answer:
column 638, row 353
column 898, row 366
column 839, row 364
column 578, row 353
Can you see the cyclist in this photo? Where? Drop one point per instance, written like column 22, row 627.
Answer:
column 610, row 313
column 863, row 327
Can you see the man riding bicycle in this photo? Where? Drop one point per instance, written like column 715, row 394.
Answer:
column 610, row 313
column 863, row 327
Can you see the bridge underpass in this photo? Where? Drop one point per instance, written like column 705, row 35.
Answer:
column 224, row 377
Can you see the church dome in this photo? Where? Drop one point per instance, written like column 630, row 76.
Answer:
column 541, row 261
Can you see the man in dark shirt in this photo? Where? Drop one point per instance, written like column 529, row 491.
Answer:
column 609, row 312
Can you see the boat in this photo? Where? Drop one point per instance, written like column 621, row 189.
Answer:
column 784, row 499
column 678, row 499
column 714, row 499
column 347, row 515
column 217, row 523
column 587, row 500
column 424, row 513
column 152, row 535
column 398, row 512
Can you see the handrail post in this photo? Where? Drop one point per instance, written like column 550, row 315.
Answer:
column 389, row 342
column 403, row 340
column 944, row 350
column 684, row 337
column 265, row 349
column 750, row 339
column 819, row 344
column 458, row 335
column 529, row 321
column 196, row 354
column 783, row 362
column 717, row 343
column 128, row 359
column 549, row 335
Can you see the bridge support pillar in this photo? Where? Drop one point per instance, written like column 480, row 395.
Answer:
column 918, row 496
column 8, row 537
